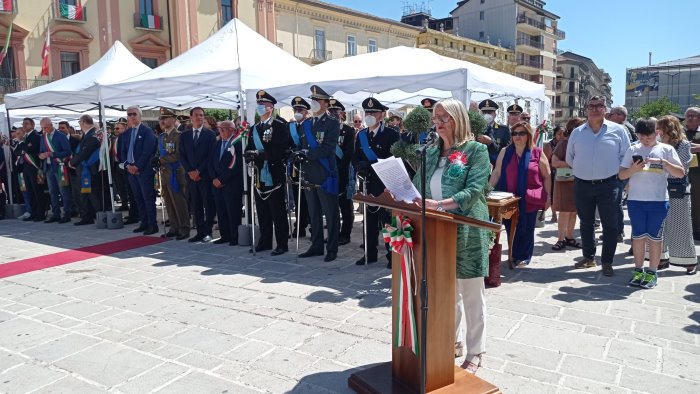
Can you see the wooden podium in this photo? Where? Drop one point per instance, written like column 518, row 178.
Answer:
column 402, row 374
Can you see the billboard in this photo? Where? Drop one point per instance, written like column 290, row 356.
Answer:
column 641, row 81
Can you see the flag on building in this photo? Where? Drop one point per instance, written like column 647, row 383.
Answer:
column 73, row 12
column 3, row 53
column 150, row 21
column 6, row 5
column 45, row 54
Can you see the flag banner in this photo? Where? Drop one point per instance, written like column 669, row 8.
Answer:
column 6, row 5
column 72, row 12
column 150, row 21
column 45, row 55
column 3, row 53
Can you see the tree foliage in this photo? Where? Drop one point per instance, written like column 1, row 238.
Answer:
column 656, row 108
column 220, row 114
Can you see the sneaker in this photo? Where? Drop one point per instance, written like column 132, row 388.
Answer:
column 650, row 279
column 206, row 239
column 637, row 276
column 24, row 216
column 586, row 263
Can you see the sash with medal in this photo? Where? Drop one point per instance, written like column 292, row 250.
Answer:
column 265, row 175
column 330, row 185
column 85, row 178
column 364, row 144
column 173, row 166
column 63, row 177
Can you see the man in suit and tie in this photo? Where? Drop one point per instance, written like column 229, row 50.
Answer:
column 195, row 146
column 34, row 179
column 320, row 169
column 139, row 148
column 121, row 176
column 226, row 172
column 86, row 161
column 55, row 152
column 371, row 144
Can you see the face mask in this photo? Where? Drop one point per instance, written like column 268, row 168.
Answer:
column 315, row 106
column 298, row 116
column 658, row 138
column 370, row 121
column 260, row 109
column 488, row 118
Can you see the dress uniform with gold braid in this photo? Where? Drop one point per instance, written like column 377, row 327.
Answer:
column 499, row 134
column 295, row 129
column 270, row 139
column 371, row 145
column 346, row 174
column 173, row 182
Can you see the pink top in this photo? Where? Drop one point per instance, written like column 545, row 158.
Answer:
column 535, row 183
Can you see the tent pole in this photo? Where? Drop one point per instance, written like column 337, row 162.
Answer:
column 244, row 143
column 108, row 161
column 8, row 157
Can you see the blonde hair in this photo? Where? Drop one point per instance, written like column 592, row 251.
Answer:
column 672, row 127
column 458, row 113
column 530, row 138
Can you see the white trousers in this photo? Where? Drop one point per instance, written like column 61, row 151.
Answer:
column 471, row 302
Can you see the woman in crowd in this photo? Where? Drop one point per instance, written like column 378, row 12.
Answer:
column 523, row 170
column 457, row 173
column 557, row 136
column 210, row 123
column 678, row 245
column 563, row 199
column 647, row 164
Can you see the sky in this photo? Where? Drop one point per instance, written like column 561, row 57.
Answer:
column 615, row 34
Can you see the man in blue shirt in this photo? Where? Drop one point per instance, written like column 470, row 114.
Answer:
column 594, row 153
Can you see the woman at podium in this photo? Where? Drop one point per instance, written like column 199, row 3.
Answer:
column 457, row 173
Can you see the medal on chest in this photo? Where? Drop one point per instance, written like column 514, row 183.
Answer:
column 341, row 138
column 170, row 147
column 319, row 137
column 267, row 135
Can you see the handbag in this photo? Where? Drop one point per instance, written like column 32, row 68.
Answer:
column 563, row 174
column 677, row 187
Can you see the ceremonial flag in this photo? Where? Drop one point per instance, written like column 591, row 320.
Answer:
column 45, row 55
column 150, row 21
column 73, row 12
column 3, row 53
column 6, row 5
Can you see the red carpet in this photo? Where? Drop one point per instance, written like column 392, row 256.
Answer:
column 71, row 256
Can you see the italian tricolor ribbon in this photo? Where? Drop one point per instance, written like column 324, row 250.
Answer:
column 49, row 143
column 29, row 159
column 398, row 236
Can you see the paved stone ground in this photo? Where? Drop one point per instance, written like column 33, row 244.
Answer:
column 178, row 317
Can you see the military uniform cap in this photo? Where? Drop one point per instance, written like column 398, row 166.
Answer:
column 121, row 120
column 488, row 105
column 371, row 104
column 428, row 103
column 335, row 104
column 298, row 102
column 318, row 93
column 265, row 97
column 396, row 114
column 183, row 118
column 515, row 108
column 167, row 113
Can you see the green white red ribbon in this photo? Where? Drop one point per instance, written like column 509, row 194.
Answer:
column 398, row 236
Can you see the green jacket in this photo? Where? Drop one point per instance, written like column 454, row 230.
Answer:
column 466, row 186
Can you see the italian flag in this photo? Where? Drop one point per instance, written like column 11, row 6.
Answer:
column 150, row 21
column 6, row 5
column 73, row 12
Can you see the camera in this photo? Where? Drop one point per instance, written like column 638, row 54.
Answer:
column 250, row 155
column 301, row 156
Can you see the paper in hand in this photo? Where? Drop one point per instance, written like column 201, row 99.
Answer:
column 393, row 174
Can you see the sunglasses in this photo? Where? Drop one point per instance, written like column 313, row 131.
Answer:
column 356, row 121
column 525, row 118
column 131, row 114
column 519, row 133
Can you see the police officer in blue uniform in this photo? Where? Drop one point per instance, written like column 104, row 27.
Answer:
column 346, row 174
column 496, row 136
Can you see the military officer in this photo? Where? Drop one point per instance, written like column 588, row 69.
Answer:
column 373, row 143
column 267, row 146
column 319, row 168
column 301, row 111
column 495, row 137
column 514, row 113
column 346, row 174
column 172, row 177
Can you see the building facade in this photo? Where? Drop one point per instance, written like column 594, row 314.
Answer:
column 679, row 80
column 523, row 25
column 578, row 79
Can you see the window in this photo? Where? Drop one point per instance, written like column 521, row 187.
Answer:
column 571, row 101
column 226, row 10
column 452, row 44
column 70, row 63
column 150, row 61
column 320, row 40
column 481, row 15
column 372, row 45
column 7, row 69
column 436, row 41
column 572, row 86
column 464, row 47
column 146, row 7
column 572, row 73
column 482, row 34
column 68, row 2
column 351, row 49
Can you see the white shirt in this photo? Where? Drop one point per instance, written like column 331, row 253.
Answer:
column 650, row 183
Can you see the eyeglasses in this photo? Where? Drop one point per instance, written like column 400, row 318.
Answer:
column 131, row 114
column 525, row 118
column 441, row 119
column 356, row 121
column 519, row 133
column 595, row 106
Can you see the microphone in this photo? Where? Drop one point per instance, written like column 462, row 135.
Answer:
column 430, row 141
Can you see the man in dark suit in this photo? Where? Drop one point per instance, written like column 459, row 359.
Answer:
column 371, row 144
column 121, row 176
column 226, row 172
column 267, row 146
column 138, row 149
column 496, row 136
column 195, row 146
column 346, row 174
column 34, row 178
column 319, row 168
column 86, row 161
column 55, row 151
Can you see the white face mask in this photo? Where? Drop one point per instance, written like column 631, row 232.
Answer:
column 370, row 121
column 488, row 118
column 261, row 109
column 298, row 116
column 658, row 138
column 315, row 106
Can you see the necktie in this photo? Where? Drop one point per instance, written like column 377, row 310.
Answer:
column 223, row 146
column 196, row 136
column 132, row 142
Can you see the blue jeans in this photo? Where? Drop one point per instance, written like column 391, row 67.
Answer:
column 145, row 196
column 601, row 195
column 53, row 179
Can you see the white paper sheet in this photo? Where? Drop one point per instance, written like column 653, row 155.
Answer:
column 393, row 174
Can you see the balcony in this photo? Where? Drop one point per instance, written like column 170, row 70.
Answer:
column 8, row 7
column 523, row 19
column 538, row 64
column 149, row 22
column 67, row 12
column 531, row 43
column 14, row 85
column 320, row 55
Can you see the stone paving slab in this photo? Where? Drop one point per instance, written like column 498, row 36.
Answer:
column 177, row 317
